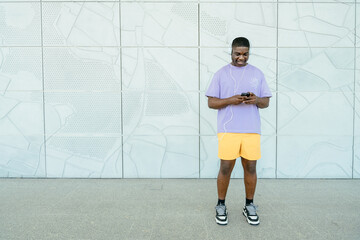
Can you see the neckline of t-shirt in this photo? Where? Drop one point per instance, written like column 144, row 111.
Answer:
column 239, row 68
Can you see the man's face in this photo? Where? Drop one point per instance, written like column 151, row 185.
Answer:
column 239, row 56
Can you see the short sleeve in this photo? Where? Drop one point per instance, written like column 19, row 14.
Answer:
column 214, row 88
column 264, row 89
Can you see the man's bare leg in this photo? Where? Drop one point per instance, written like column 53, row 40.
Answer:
column 226, row 167
column 250, row 177
column 250, row 180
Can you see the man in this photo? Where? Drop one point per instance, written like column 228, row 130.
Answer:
column 237, row 91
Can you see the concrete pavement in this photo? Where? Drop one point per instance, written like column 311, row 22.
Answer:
column 176, row 209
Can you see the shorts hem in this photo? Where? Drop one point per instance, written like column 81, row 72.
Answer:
column 228, row 159
column 250, row 159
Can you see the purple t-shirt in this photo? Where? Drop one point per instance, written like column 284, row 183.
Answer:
column 229, row 81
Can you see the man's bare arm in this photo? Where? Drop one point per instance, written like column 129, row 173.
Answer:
column 217, row 103
column 258, row 101
column 263, row 102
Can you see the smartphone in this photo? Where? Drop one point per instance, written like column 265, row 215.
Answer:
column 247, row 94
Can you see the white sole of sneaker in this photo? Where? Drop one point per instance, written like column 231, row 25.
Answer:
column 221, row 222
column 249, row 221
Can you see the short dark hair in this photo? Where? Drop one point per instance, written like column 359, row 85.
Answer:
column 240, row 42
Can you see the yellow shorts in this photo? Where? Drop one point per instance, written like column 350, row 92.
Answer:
column 234, row 145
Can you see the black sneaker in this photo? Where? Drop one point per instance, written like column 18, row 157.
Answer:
column 249, row 212
column 221, row 215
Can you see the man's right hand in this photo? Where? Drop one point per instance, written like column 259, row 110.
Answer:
column 217, row 103
column 237, row 99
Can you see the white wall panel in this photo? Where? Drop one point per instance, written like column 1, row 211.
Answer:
column 83, row 134
column 209, row 161
column 268, row 117
column 220, row 23
column 356, row 167
column 314, row 156
column 21, row 135
column 161, row 113
column 317, row 1
column 158, row 1
column 22, row 157
column 24, row 105
column 208, row 117
column 357, row 70
column 160, row 69
column 21, row 69
column 83, row 113
column 159, row 24
column 357, row 26
column 18, row 1
column 20, row 24
column 159, row 97
column 316, row 24
column 315, row 113
column 316, row 69
column 211, row 60
column 82, row 69
column 81, row 24
column 237, row 1
column 161, row 156
column 266, row 166
column 81, row 1
column 83, row 156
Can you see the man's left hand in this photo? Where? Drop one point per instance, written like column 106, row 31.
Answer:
column 252, row 99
